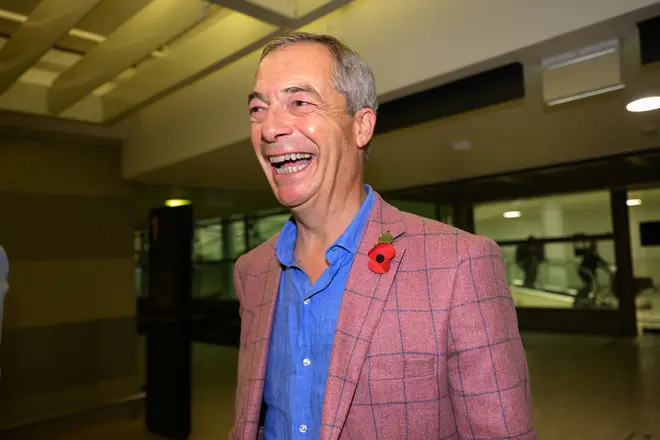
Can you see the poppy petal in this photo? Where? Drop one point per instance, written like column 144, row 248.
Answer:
column 378, row 249
column 379, row 267
column 388, row 251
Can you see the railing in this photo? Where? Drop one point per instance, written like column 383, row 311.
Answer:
column 559, row 276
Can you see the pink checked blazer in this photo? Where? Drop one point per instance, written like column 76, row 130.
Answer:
column 429, row 350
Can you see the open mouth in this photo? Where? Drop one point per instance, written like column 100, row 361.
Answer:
column 290, row 163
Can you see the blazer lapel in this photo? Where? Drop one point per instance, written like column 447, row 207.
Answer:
column 362, row 305
column 261, row 286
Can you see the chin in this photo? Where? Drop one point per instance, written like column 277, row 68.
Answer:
column 292, row 197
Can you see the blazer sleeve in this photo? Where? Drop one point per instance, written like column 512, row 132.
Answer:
column 238, row 282
column 488, row 374
column 238, row 289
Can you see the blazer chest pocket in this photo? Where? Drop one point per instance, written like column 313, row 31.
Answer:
column 398, row 366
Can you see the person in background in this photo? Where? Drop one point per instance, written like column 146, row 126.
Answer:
column 529, row 256
column 591, row 261
column 358, row 320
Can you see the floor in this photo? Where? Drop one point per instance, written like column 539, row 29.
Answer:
column 586, row 388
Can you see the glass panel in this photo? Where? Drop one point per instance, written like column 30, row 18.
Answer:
column 213, row 280
column 557, row 216
column 574, row 270
column 644, row 206
column 208, row 242
column 263, row 228
column 236, row 238
column 423, row 209
column 562, row 283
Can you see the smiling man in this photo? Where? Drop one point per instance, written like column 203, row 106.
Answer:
column 359, row 321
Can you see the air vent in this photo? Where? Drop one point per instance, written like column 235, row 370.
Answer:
column 585, row 72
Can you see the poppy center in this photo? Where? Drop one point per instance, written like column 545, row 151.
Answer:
column 380, row 258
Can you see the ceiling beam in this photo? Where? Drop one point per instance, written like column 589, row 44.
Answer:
column 155, row 25
column 49, row 22
column 142, row 90
column 259, row 12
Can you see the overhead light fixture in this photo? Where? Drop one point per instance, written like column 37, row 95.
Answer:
column 173, row 203
column 512, row 214
column 634, row 202
column 646, row 104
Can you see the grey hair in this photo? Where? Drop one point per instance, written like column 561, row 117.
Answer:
column 351, row 76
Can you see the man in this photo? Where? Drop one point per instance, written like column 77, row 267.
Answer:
column 529, row 256
column 359, row 321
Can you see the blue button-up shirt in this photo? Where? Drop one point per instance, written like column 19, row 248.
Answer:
column 303, row 332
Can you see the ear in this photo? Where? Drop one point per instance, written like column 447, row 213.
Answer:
column 363, row 125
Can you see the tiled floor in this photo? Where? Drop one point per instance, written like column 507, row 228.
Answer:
column 585, row 388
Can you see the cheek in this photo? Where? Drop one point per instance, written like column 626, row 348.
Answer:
column 308, row 126
column 255, row 137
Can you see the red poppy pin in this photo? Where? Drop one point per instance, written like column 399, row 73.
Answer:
column 381, row 255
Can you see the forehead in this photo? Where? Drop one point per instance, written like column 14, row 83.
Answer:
column 308, row 62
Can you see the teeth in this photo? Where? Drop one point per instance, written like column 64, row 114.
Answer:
column 294, row 156
column 293, row 169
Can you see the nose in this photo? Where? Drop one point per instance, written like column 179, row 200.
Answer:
column 277, row 124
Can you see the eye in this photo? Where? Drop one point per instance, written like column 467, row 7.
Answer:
column 257, row 113
column 299, row 103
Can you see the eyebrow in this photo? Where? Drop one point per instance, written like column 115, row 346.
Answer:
column 256, row 95
column 287, row 91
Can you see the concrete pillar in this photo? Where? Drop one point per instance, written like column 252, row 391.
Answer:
column 552, row 225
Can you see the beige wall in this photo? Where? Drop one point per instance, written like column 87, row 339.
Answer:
column 66, row 221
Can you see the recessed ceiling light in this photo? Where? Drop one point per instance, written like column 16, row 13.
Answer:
column 512, row 214
column 634, row 202
column 462, row 145
column 172, row 203
column 644, row 104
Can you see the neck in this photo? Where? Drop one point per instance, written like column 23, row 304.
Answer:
column 323, row 223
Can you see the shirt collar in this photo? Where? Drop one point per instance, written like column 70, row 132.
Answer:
column 348, row 241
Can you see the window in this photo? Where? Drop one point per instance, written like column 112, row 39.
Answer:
column 551, row 248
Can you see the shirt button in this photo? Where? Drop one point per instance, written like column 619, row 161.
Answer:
column 306, row 301
column 303, row 428
column 306, row 362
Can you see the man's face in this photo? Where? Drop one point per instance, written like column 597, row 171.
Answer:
column 302, row 134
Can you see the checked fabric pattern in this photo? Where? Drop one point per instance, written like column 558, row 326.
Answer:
column 429, row 350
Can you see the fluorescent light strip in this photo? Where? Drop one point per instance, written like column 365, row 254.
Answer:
column 582, row 54
column 580, row 59
column 586, row 95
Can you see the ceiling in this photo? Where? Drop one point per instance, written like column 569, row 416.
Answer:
column 514, row 135
column 101, row 61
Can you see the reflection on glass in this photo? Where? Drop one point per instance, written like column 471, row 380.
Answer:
column 263, row 228
column 573, row 270
column 566, row 282
column 208, row 242
column 644, row 206
column 236, row 237
column 423, row 209
column 213, row 280
column 557, row 216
